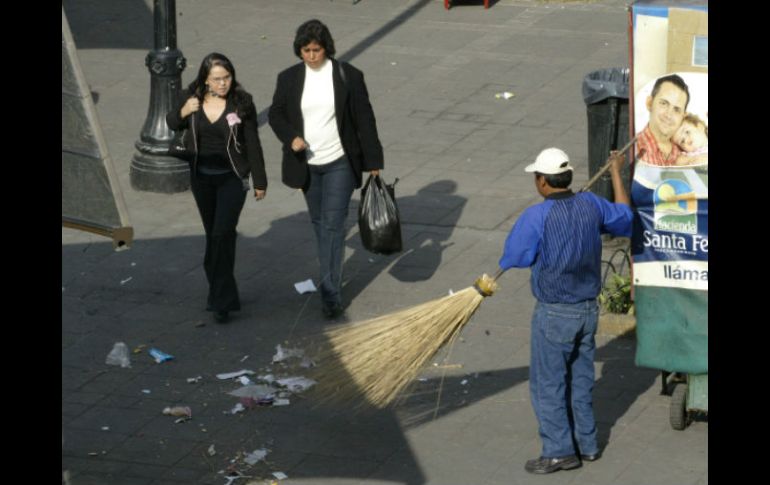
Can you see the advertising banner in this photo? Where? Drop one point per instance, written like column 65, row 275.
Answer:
column 669, row 190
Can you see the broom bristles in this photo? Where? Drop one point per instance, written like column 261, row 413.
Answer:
column 378, row 358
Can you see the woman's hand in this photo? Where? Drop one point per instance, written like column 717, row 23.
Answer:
column 374, row 172
column 298, row 144
column 259, row 194
column 191, row 106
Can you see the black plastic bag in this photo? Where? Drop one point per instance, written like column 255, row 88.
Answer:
column 378, row 220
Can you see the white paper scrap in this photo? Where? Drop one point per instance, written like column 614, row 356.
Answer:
column 296, row 384
column 282, row 354
column 256, row 456
column 230, row 375
column 306, row 286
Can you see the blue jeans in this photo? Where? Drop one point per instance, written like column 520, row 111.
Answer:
column 561, row 376
column 328, row 198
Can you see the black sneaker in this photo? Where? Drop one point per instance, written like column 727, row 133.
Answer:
column 332, row 310
column 549, row 465
column 221, row 317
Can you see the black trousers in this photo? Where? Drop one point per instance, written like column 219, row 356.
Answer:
column 220, row 199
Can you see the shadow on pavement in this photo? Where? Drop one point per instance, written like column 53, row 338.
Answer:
column 620, row 385
column 153, row 295
column 434, row 205
column 422, row 404
column 117, row 24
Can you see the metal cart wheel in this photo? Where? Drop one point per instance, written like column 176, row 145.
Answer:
column 678, row 411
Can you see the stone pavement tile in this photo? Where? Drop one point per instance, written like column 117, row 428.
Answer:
column 144, row 470
column 94, row 478
column 323, row 468
column 686, row 442
column 114, row 400
column 105, row 382
column 363, row 445
column 80, row 442
column 163, row 426
column 93, row 306
column 73, row 377
column 704, row 479
column 640, row 472
column 454, row 467
column 70, row 411
column 490, row 446
column 401, row 467
column 309, row 438
column 437, row 437
column 512, row 417
column 157, row 314
column 181, row 475
column 81, row 325
column 148, row 449
column 119, row 420
column 92, row 465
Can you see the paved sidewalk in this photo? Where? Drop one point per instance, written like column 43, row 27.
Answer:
column 459, row 153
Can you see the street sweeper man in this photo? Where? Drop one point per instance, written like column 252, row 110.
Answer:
column 560, row 239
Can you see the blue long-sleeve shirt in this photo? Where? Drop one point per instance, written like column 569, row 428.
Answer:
column 560, row 238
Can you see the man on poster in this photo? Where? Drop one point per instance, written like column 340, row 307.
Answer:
column 667, row 105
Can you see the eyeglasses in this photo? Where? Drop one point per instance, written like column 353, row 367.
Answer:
column 221, row 80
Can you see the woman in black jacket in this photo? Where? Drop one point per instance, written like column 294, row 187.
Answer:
column 322, row 116
column 222, row 123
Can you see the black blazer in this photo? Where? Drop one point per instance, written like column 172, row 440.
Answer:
column 355, row 122
column 246, row 134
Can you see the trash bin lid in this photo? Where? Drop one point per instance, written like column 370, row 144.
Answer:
column 606, row 83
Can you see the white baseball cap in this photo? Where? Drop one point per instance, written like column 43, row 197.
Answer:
column 551, row 161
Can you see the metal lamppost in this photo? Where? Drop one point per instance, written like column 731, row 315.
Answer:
column 152, row 169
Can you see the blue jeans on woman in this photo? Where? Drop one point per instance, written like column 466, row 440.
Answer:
column 561, row 376
column 328, row 198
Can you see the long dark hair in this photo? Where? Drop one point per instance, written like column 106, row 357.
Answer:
column 314, row 31
column 244, row 103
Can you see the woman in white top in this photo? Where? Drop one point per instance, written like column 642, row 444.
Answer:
column 322, row 115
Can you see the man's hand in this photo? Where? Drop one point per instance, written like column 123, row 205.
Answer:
column 259, row 194
column 617, row 159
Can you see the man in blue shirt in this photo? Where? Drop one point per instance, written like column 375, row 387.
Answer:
column 560, row 240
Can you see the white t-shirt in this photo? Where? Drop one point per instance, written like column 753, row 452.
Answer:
column 320, row 123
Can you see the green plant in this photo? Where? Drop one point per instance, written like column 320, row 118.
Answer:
column 616, row 295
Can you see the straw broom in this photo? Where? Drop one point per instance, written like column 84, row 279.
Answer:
column 378, row 358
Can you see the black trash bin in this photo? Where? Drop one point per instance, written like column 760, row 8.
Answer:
column 605, row 93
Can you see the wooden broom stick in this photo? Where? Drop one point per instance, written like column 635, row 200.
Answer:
column 607, row 166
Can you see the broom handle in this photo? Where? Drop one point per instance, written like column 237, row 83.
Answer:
column 607, row 166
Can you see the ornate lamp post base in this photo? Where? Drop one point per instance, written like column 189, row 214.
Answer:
column 159, row 173
column 152, row 169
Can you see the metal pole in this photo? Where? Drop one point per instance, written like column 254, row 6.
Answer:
column 152, row 169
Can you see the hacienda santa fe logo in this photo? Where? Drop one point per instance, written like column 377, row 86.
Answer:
column 676, row 207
